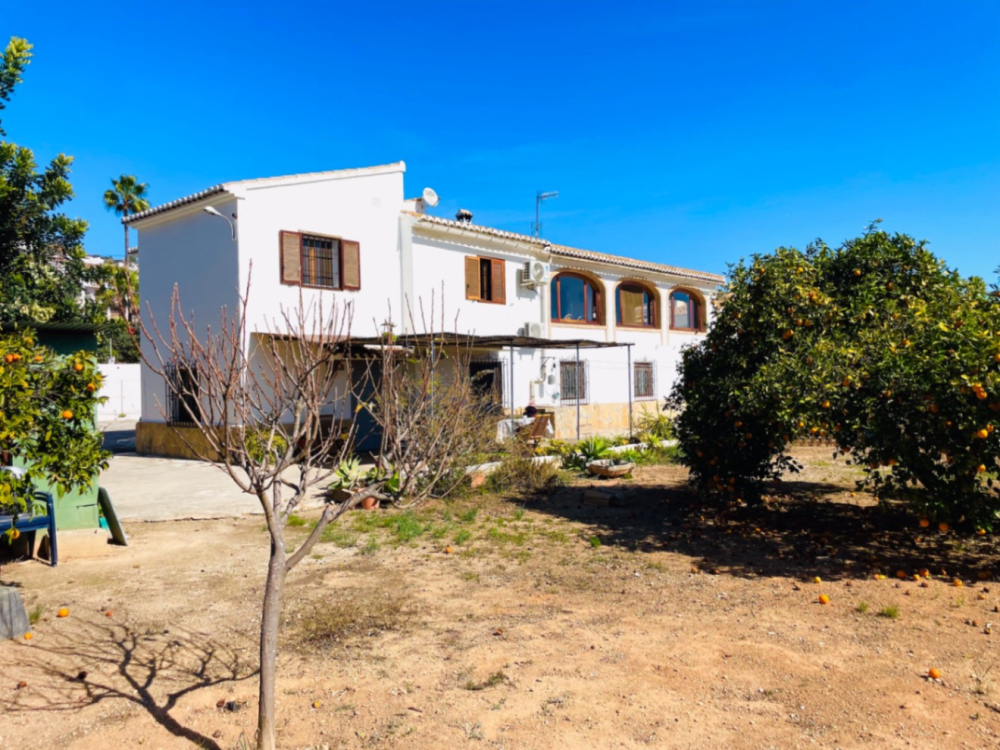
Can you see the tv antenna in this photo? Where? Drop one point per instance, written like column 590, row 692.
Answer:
column 539, row 197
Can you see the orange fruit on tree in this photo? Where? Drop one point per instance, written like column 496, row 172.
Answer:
column 981, row 469
column 981, row 532
column 924, row 523
column 943, row 526
column 824, row 599
column 934, row 673
column 63, row 612
column 983, row 434
column 91, row 387
column 15, row 533
column 857, row 271
column 78, row 367
column 39, row 358
column 67, row 414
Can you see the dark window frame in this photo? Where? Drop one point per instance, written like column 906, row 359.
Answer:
column 347, row 252
column 307, row 261
column 650, row 369
column 557, row 302
column 654, row 308
column 184, row 405
column 486, row 266
column 697, row 311
column 582, row 374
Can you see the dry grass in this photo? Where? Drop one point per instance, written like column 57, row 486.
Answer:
column 347, row 614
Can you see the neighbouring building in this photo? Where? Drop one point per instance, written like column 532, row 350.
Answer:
column 350, row 235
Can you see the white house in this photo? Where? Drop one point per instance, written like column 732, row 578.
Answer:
column 349, row 235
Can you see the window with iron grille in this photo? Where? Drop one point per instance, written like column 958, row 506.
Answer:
column 643, row 381
column 183, row 406
column 320, row 261
column 573, row 382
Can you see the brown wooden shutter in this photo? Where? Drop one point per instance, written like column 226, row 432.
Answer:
column 290, row 244
column 499, row 281
column 472, row 287
column 350, row 261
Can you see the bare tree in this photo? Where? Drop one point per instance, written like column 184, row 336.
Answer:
column 265, row 408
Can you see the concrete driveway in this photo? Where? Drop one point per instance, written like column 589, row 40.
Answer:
column 147, row 488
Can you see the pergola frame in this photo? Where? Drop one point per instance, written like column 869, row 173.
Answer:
column 432, row 340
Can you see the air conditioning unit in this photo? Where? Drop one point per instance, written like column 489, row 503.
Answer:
column 533, row 330
column 533, row 274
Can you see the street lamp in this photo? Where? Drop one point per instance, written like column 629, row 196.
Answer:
column 210, row 210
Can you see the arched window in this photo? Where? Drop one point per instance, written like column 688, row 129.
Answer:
column 576, row 299
column 635, row 305
column 686, row 312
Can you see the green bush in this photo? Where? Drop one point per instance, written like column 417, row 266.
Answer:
column 876, row 346
column 655, row 424
column 260, row 441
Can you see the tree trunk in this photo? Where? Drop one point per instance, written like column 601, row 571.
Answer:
column 126, row 247
column 269, row 623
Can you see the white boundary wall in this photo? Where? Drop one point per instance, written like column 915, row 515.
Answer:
column 123, row 388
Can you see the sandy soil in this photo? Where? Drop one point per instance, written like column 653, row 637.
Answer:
column 550, row 624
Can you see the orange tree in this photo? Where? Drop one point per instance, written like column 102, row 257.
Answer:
column 875, row 345
column 46, row 419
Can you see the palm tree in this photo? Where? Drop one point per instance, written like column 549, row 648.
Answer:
column 127, row 196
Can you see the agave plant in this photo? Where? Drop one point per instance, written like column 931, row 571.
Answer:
column 593, row 449
column 347, row 474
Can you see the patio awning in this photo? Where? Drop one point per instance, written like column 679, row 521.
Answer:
column 486, row 342
column 431, row 340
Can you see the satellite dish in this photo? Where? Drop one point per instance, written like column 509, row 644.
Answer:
column 430, row 197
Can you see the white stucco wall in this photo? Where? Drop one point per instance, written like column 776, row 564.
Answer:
column 439, row 274
column 364, row 208
column 121, row 384
column 406, row 267
column 194, row 251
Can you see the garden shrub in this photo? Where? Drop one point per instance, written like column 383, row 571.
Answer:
column 876, row 346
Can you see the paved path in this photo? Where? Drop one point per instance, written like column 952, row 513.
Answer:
column 147, row 488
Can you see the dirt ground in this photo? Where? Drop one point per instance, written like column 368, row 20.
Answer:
column 549, row 624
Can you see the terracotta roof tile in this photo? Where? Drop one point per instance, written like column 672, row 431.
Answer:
column 571, row 252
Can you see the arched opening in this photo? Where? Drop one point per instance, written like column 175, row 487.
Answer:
column 687, row 311
column 576, row 299
column 635, row 305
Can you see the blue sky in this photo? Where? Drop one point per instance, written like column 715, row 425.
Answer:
column 689, row 133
